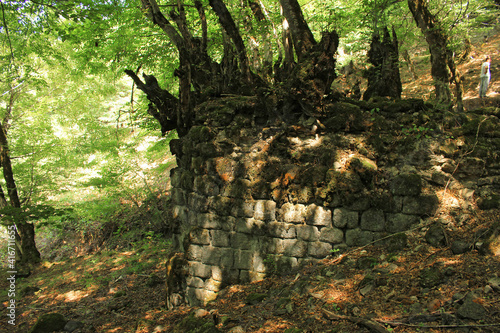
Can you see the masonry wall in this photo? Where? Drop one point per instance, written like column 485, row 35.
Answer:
column 253, row 199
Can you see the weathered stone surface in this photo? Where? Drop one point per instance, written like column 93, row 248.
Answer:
column 251, row 226
column 387, row 202
column 421, row 205
column 227, row 258
column 194, row 252
column 243, row 259
column 50, row 322
column 472, row 166
column 220, row 238
column 200, row 270
column 317, row 215
column 431, row 277
column 264, row 201
column 258, row 263
column 243, row 209
column 281, row 230
column 211, row 255
column 256, row 276
column 471, row 310
column 400, row 222
column 199, row 236
column 308, row 233
column 294, row 248
column 293, row 213
column 241, row 241
column 212, row 285
column 331, row 235
column 358, row 237
column 436, row 235
column 345, row 218
column 178, row 196
column 265, row 210
column 319, row 249
column 221, row 205
column 209, row 221
column 205, row 185
column 373, row 220
column 180, row 214
column 195, row 282
column 407, row 184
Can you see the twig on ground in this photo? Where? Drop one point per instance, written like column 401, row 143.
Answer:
column 369, row 324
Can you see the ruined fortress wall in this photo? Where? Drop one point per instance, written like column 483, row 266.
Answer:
column 251, row 200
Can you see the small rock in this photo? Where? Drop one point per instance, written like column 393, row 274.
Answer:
column 431, row 277
column 237, row 329
column 494, row 283
column 366, row 290
column 488, row 289
column 436, row 236
column 29, row 291
column 434, row 305
column 200, row 313
column 471, row 310
column 459, row 247
column 416, row 308
column 48, row 323
column 72, row 325
column 255, row 298
column 456, row 297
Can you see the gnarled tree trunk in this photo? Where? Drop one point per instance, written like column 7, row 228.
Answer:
column 25, row 237
column 437, row 41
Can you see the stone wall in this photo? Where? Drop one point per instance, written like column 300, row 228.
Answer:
column 252, row 198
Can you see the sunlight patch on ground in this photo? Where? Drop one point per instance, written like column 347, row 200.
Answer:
column 72, row 296
column 449, row 201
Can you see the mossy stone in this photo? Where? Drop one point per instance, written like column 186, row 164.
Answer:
column 491, row 201
column 192, row 324
column 255, row 298
column 50, row 322
column 200, row 134
column 348, row 117
column 431, row 277
column 406, row 184
column 397, row 242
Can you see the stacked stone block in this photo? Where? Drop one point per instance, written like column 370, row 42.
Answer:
column 232, row 236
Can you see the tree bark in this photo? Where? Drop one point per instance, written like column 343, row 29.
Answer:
column 303, row 39
column 227, row 22
column 437, row 41
column 163, row 106
column 29, row 252
column 410, row 64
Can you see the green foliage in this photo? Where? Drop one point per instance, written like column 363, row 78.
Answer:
column 416, row 131
column 11, row 214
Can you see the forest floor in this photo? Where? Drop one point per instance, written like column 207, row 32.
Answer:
column 123, row 290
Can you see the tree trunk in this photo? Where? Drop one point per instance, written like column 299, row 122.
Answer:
column 438, row 43
column 163, row 106
column 383, row 77
column 303, row 39
column 27, row 246
column 232, row 31
column 410, row 64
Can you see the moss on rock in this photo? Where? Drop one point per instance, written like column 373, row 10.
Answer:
column 192, row 324
column 50, row 322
